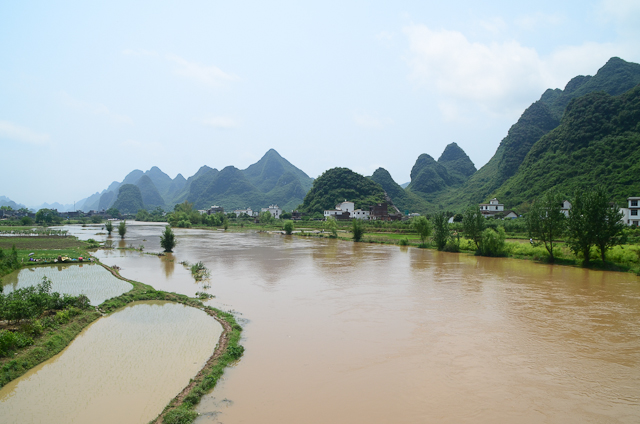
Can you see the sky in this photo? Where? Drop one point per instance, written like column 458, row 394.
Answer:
column 90, row 91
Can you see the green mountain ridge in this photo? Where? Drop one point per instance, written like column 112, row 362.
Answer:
column 404, row 200
column 597, row 142
column 615, row 77
column 129, row 199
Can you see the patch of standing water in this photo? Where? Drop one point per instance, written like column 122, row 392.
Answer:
column 92, row 280
column 124, row 368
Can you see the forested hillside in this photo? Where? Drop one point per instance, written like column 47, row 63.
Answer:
column 597, row 142
column 337, row 185
column 403, row 199
column 129, row 199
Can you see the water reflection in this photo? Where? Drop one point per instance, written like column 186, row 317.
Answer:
column 169, row 263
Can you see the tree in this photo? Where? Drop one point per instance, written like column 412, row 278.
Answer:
column 46, row 216
column 440, row 230
column 109, row 227
column 332, row 226
column 113, row 212
column 168, row 239
column 143, row 215
column 122, row 228
column 422, row 226
column 357, row 229
column 25, row 220
column 288, row 227
column 473, row 224
column 492, row 242
column 546, row 222
column 265, row 217
column 593, row 220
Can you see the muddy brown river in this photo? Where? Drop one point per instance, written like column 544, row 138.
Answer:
column 337, row 332
column 357, row 333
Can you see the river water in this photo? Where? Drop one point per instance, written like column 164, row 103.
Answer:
column 123, row 368
column 362, row 333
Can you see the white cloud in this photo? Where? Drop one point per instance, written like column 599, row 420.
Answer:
column 368, row 121
column 211, row 75
column 23, row 134
column 501, row 78
column 221, row 122
column 95, row 109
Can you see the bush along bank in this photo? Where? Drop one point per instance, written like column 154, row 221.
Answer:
column 36, row 325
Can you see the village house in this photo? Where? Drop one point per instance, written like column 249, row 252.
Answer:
column 566, row 206
column 214, row 209
column 248, row 211
column 493, row 208
column 342, row 211
column 631, row 213
column 274, row 210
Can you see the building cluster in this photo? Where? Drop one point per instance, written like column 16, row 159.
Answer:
column 346, row 210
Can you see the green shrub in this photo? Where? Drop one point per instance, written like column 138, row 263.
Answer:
column 288, row 227
column 10, row 341
column 403, row 242
column 357, row 229
column 493, row 242
column 180, row 415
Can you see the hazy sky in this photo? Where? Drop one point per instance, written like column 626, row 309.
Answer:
column 90, row 92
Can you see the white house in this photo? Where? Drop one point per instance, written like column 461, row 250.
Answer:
column 274, row 210
column 247, row 211
column 343, row 210
column 360, row 214
column 491, row 208
column 566, row 206
column 632, row 213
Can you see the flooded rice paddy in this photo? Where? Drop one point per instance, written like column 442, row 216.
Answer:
column 358, row 333
column 92, row 280
column 123, row 368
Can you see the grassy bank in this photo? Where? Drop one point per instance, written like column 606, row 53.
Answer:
column 45, row 247
column 181, row 410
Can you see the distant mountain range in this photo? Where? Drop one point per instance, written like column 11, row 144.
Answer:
column 586, row 134
column 271, row 180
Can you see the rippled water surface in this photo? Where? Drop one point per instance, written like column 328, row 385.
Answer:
column 92, row 280
column 356, row 333
column 123, row 368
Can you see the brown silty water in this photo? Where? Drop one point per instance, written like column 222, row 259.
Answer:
column 123, row 368
column 357, row 333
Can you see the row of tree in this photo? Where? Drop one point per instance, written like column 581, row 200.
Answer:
column 593, row 220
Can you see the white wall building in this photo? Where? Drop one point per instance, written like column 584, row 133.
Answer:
column 360, row 214
column 274, row 210
column 632, row 212
column 247, row 211
column 342, row 209
column 491, row 208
